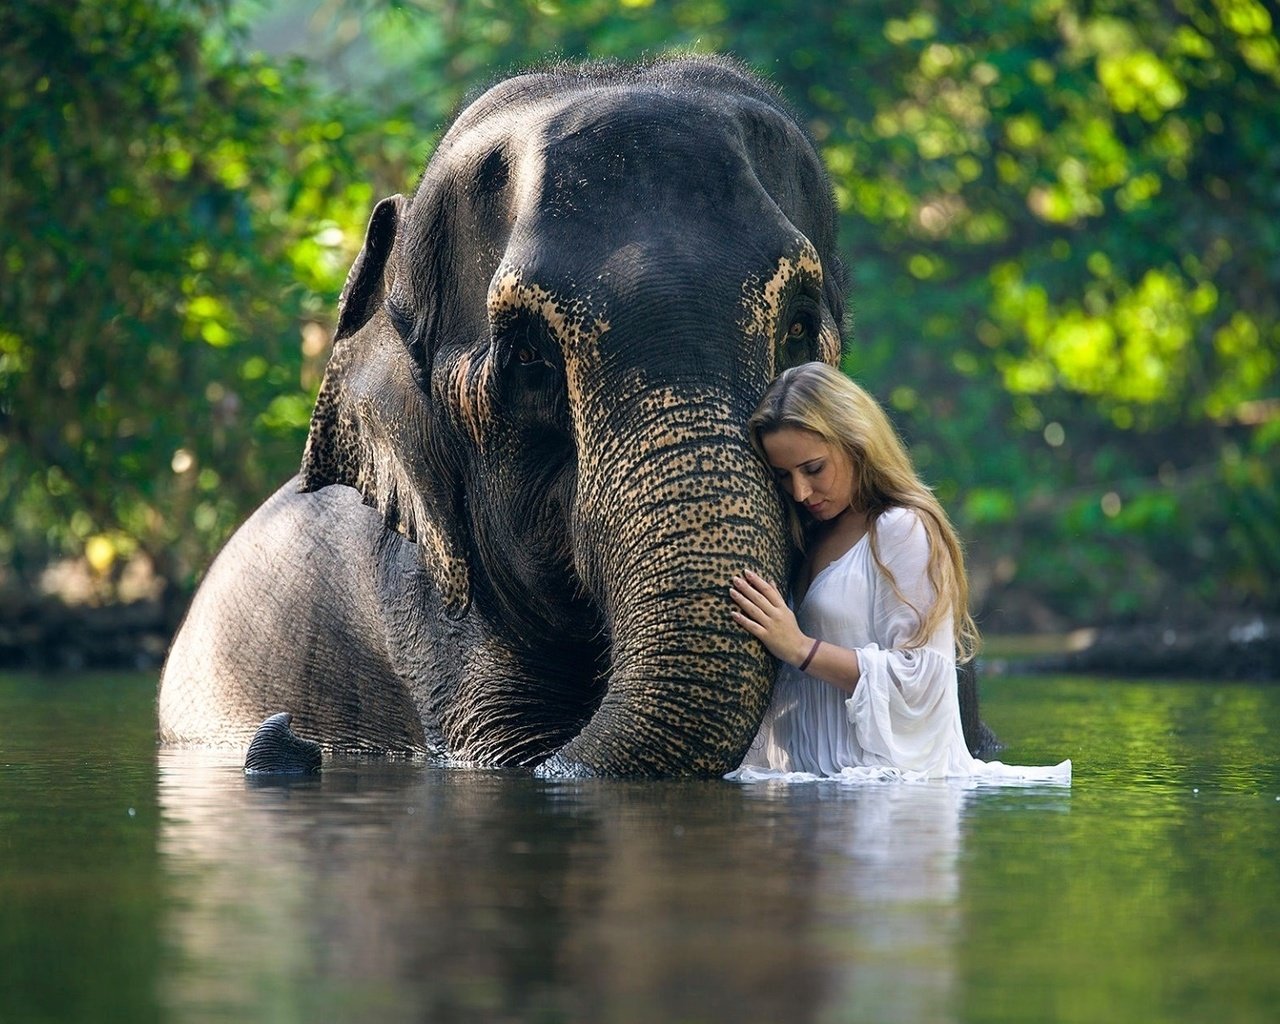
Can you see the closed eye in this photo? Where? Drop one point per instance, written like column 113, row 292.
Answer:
column 808, row 469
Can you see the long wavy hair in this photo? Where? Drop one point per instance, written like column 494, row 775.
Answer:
column 822, row 400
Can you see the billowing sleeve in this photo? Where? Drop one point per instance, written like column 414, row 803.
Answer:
column 904, row 710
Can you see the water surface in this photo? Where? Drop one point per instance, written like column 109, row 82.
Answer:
column 138, row 884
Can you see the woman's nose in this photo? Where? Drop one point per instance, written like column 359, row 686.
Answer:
column 801, row 491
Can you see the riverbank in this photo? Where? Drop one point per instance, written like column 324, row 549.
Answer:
column 1240, row 646
column 44, row 632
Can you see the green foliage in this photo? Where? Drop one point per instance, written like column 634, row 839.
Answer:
column 1061, row 219
column 174, row 219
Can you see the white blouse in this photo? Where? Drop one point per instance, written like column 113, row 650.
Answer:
column 903, row 718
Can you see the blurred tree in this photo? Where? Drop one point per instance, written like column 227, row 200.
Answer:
column 176, row 221
column 1061, row 217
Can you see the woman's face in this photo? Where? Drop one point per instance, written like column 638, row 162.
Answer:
column 812, row 472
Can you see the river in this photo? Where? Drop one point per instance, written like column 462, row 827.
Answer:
column 146, row 885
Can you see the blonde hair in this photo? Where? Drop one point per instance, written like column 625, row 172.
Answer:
column 822, row 400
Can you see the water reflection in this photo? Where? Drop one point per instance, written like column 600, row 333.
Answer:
column 900, row 870
column 413, row 893
column 140, row 889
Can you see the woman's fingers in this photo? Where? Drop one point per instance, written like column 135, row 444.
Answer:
column 762, row 612
column 765, row 587
column 759, row 592
column 751, row 603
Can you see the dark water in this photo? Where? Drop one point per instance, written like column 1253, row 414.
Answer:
column 138, row 886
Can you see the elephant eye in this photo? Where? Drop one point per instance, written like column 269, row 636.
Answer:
column 799, row 340
column 530, row 356
column 522, row 345
column 803, row 326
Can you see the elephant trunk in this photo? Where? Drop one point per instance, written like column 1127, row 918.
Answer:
column 661, row 533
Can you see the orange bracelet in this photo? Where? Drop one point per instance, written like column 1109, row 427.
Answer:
column 809, row 657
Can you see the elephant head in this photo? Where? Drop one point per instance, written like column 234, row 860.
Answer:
column 543, row 367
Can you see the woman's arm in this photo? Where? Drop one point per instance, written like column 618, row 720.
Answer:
column 763, row 613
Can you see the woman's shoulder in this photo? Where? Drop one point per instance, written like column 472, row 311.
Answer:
column 899, row 520
column 901, row 528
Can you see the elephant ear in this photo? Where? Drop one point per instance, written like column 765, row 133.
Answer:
column 372, row 426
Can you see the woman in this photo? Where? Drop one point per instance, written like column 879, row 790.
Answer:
column 868, row 687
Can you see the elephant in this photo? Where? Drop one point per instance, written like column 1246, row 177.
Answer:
column 527, row 482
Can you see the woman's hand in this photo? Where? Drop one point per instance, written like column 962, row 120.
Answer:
column 763, row 613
